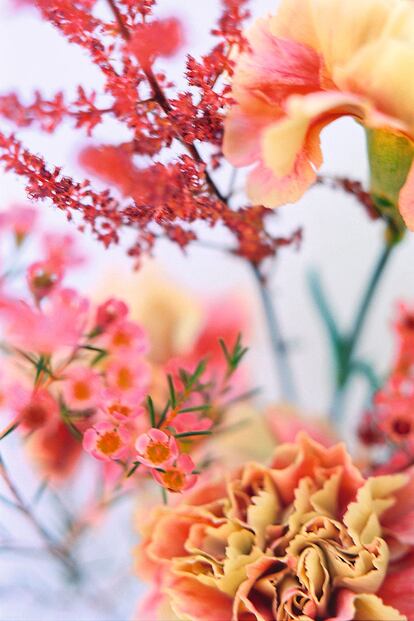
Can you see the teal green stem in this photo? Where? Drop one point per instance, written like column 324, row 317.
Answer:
column 349, row 344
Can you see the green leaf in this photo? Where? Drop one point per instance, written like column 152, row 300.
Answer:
column 151, row 410
column 190, row 434
column 133, row 469
column 195, row 408
column 171, row 388
column 9, row 430
column 164, row 414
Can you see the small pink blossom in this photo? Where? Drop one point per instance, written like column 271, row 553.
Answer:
column 121, row 410
column 59, row 323
column 110, row 312
column 20, row 220
column 61, row 251
column 34, row 408
column 156, row 449
column 128, row 377
column 42, row 279
column 125, row 336
column 190, row 421
column 106, row 441
column 82, row 388
column 177, row 478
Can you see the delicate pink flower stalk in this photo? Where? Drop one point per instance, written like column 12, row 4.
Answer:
column 82, row 388
column 156, row 449
column 106, row 441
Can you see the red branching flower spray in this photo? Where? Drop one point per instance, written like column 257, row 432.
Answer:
column 180, row 130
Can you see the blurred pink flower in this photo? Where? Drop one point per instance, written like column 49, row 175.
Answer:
column 42, row 279
column 82, row 388
column 128, row 377
column 177, row 478
column 110, row 312
column 33, row 408
column 191, row 421
column 123, row 336
column 106, row 442
column 156, row 449
column 119, row 410
column 61, row 251
column 59, row 323
column 19, row 220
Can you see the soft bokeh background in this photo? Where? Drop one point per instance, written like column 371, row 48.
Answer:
column 339, row 242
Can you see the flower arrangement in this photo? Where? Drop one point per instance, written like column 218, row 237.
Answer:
column 136, row 392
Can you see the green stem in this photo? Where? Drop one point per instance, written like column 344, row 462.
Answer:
column 279, row 348
column 348, row 344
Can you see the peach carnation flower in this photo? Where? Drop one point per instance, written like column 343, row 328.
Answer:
column 311, row 63
column 306, row 538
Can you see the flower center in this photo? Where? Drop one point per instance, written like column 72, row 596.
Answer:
column 125, row 378
column 81, row 391
column 118, row 408
column 157, row 452
column 121, row 339
column 174, row 480
column 109, row 442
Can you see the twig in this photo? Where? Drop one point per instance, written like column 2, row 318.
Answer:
column 280, row 350
column 53, row 547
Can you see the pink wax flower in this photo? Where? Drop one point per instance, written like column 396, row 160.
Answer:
column 59, row 323
column 123, row 336
column 55, row 451
column 128, row 377
column 120, row 410
column 106, row 441
column 306, row 66
column 191, row 421
column 82, row 388
column 61, row 251
column 20, row 220
column 34, row 408
column 110, row 312
column 42, row 279
column 156, row 449
column 177, row 478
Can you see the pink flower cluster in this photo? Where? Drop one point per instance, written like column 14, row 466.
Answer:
column 78, row 375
